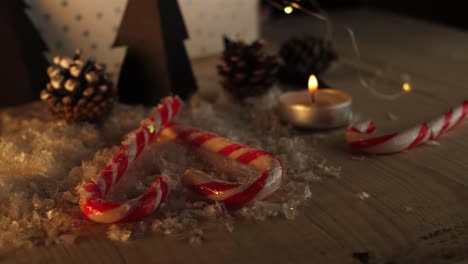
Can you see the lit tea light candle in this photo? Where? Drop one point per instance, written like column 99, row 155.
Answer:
column 314, row 108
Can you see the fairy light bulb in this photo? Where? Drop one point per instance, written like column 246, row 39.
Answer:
column 406, row 87
column 288, row 9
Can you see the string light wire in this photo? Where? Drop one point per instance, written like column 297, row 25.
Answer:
column 370, row 84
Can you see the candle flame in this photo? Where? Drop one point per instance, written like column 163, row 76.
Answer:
column 313, row 84
column 288, row 9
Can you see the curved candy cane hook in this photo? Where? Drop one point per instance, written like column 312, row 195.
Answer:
column 361, row 136
column 92, row 199
column 269, row 170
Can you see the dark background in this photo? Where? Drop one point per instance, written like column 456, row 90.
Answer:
column 451, row 13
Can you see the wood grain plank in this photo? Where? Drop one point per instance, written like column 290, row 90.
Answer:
column 416, row 212
column 88, row 251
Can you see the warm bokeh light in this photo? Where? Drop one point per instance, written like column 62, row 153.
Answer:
column 406, row 87
column 288, row 9
column 313, row 84
column 295, row 5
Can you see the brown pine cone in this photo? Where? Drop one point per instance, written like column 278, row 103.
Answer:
column 246, row 70
column 78, row 90
column 307, row 55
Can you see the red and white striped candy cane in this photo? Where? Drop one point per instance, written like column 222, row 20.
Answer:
column 92, row 199
column 361, row 136
column 268, row 168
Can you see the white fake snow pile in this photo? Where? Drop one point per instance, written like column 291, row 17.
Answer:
column 42, row 163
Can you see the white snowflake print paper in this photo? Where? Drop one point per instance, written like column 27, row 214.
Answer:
column 208, row 20
column 90, row 25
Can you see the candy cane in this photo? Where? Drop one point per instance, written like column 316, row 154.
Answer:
column 92, row 199
column 361, row 136
column 268, row 168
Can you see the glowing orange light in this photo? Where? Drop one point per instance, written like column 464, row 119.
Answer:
column 313, row 84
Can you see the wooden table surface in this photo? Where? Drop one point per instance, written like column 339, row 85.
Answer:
column 417, row 209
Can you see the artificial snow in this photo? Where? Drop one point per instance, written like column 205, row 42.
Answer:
column 363, row 195
column 43, row 165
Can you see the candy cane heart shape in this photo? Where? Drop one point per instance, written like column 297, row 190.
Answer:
column 361, row 136
column 93, row 203
column 268, row 169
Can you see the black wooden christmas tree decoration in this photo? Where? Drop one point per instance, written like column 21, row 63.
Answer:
column 23, row 66
column 156, row 63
